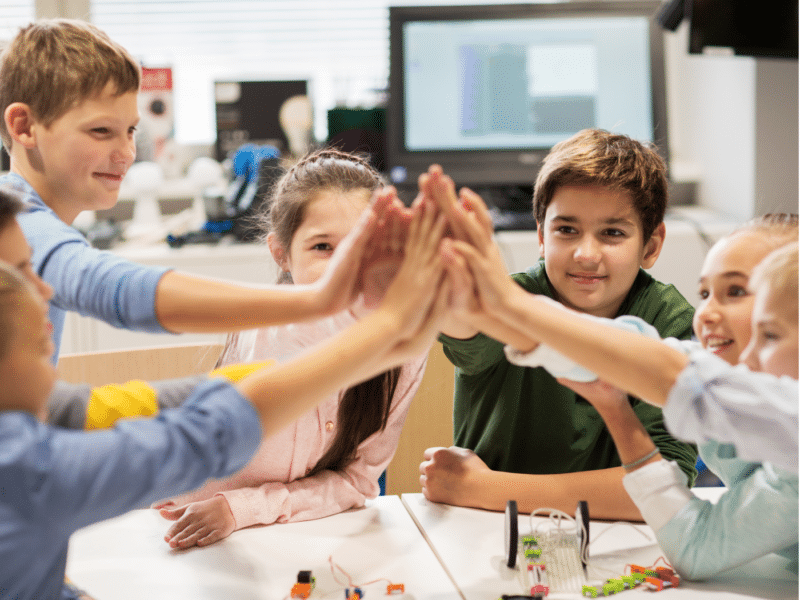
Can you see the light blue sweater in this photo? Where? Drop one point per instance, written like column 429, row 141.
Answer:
column 86, row 280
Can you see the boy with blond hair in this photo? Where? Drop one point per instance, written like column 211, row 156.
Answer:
column 599, row 201
column 68, row 96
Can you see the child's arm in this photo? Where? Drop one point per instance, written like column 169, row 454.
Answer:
column 185, row 303
column 404, row 325
column 314, row 497
column 756, row 516
column 644, row 367
column 81, row 406
column 459, row 477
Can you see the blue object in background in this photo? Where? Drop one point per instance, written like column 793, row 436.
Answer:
column 382, row 483
column 706, row 478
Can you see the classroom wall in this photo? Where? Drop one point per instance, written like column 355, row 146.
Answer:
column 734, row 128
column 733, row 123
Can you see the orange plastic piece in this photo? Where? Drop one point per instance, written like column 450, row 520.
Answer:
column 301, row 590
column 395, row 587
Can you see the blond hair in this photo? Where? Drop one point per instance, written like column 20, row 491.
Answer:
column 612, row 160
column 53, row 65
column 779, row 272
column 776, row 229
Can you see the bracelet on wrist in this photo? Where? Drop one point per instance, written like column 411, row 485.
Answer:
column 641, row 460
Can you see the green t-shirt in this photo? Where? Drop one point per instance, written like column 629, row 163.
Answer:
column 520, row 420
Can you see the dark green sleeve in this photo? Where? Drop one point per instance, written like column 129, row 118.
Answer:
column 473, row 355
column 480, row 352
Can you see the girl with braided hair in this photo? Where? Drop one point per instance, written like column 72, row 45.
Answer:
column 331, row 458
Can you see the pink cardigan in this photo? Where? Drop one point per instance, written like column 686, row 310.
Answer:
column 273, row 487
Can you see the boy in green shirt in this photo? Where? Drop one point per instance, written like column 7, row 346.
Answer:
column 599, row 201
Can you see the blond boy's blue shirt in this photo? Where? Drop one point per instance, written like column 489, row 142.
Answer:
column 85, row 280
column 55, row 481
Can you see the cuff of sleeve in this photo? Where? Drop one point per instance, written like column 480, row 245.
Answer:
column 682, row 411
column 262, row 505
column 659, row 491
column 554, row 362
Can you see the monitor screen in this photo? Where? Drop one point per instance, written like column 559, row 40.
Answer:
column 487, row 90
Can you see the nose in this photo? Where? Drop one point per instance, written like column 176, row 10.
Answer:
column 708, row 311
column 587, row 250
column 126, row 152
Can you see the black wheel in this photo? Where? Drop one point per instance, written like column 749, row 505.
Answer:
column 512, row 533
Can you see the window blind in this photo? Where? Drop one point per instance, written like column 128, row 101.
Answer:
column 340, row 46
column 15, row 13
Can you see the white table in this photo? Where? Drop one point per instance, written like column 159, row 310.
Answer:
column 127, row 558
column 470, row 545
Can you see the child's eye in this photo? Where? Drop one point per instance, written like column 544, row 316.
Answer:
column 614, row 233
column 131, row 130
column 703, row 294
column 101, row 130
column 737, row 291
column 566, row 229
column 322, row 247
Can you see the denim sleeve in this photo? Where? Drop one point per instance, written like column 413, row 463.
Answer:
column 73, row 479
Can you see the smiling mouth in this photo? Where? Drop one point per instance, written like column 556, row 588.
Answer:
column 718, row 345
column 586, row 278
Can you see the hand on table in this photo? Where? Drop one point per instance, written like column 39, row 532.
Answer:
column 198, row 523
column 446, row 473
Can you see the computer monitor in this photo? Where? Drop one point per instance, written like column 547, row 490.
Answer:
column 486, row 91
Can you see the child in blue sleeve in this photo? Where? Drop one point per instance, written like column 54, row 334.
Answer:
column 68, row 98
column 55, row 481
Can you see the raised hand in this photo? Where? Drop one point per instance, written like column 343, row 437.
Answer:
column 199, row 523
column 384, row 251
column 416, row 286
column 340, row 285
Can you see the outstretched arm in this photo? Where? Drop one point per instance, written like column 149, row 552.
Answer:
column 325, row 493
column 404, row 325
column 185, row 303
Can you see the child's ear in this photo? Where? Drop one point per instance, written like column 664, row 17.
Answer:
column 20, row 124
column 653, row 246
column 540, row 235
column 278, row 252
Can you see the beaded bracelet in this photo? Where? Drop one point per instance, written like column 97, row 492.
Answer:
column 645, row 458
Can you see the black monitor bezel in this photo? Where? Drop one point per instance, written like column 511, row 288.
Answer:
column 504, row 167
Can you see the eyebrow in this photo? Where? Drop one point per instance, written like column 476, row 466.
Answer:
column 611, row 221
column 728, row 275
